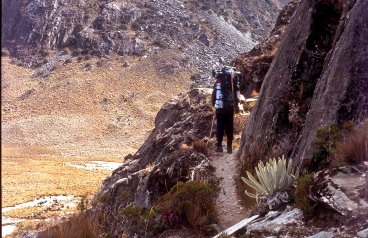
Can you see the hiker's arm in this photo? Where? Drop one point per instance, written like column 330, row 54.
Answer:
column 237, row 95
column 213, row 97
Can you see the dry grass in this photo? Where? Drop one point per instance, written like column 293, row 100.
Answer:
column 200, row 147
column 354, row 150
column 254, row 94
column 23, row 213
column 239, row 123
column 194, row 215
column 24, row 179
column 26, row 226
column 77, row 226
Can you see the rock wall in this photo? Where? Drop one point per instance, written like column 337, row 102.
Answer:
column 317, row 77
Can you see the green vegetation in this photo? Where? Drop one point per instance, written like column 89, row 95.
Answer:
column 339, row 145
column 301, row 193
column 135, row 26
column 274, row 176
column 325, row 143
column 103, row 197
column 193, row 202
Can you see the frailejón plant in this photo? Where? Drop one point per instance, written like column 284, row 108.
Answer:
column 274, row 176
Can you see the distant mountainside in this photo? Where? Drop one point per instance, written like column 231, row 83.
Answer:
column 206, row 33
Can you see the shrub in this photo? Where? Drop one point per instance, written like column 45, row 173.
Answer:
column 78, row 225
column 14, row 61
column 354, row 150
column 135, row 26
column 325, row 142
column 195, row 77
column 88, row 66
column 55, row 67
column 67, row 51
column 77, row 51
column 131, row 211
column 192, row 201
column 302, row 192
column 123, row 27
column 5, row 53
column 200, row 147
column 160, row 43
column 128, row 156
column 87, row 57
column 68, row 60
column 103, row 197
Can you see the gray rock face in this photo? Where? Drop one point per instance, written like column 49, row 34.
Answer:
column 323, row 234
column 159, row 163
column 274, row 221
column 363, row 233
column 319, row 67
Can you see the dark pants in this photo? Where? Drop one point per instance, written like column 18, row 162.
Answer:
column 225, row 122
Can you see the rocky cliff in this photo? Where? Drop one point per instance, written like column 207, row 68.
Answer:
column 317, row 77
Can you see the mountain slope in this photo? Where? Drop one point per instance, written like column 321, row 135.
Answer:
column 31, row 30
column 103, row 111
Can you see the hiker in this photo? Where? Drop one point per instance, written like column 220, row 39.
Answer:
column 225, row 95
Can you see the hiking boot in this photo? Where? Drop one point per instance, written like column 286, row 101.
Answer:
column 219, row 149
column 229, row 150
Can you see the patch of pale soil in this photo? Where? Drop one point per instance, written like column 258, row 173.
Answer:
column 230, row 207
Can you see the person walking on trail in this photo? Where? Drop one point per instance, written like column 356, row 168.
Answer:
column 225, row 95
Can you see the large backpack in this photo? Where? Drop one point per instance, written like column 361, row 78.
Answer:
column 226, row 89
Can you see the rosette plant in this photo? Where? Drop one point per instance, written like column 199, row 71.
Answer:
column 274, row 176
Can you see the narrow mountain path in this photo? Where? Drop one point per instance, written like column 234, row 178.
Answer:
column 230, row 207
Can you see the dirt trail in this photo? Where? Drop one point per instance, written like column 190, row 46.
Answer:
column 231, row 210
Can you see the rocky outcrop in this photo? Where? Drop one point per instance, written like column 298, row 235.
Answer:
column 343, row 190
column 255, row 63
column 160, row 163
column 317, row 77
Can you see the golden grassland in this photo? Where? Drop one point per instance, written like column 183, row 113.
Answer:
column 27, row 178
